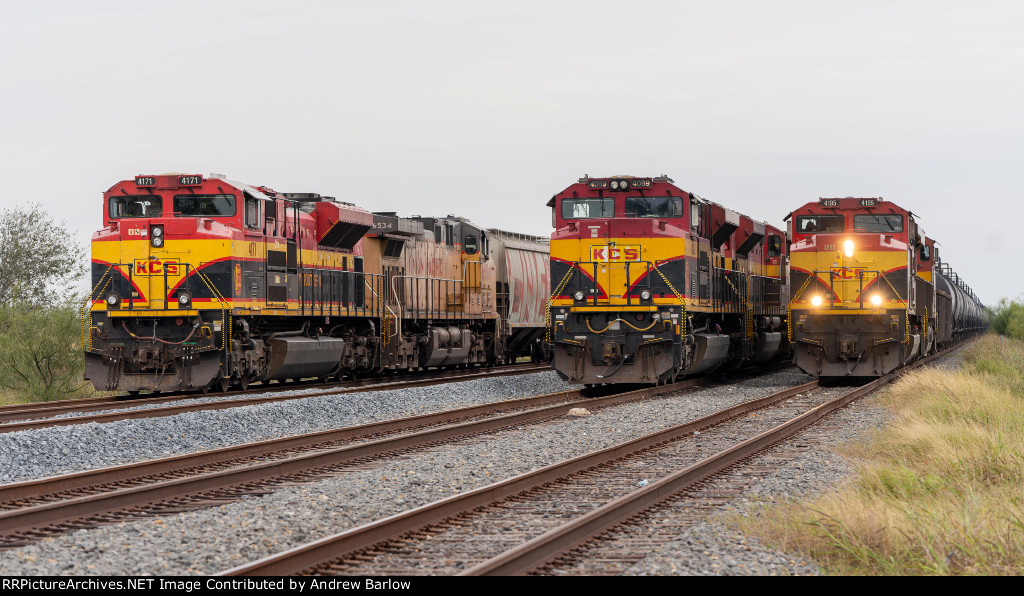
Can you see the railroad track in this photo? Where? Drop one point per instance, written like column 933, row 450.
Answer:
column 31, row 416
column 45, row 507
column 572, row 516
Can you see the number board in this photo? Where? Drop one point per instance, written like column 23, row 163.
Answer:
column 829, row 202
column 189, row 180
column 384, row 223
column 869, row 202
column 145, row 181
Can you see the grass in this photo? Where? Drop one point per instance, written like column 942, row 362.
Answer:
column 939, row 492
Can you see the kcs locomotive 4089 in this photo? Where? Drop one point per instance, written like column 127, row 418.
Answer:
column 203, row 282
column 652, row 283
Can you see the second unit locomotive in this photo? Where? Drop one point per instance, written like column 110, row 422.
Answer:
column 651, row 283
column 870, row 293
column 204, row 282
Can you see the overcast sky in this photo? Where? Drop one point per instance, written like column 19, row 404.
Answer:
column 486, row 111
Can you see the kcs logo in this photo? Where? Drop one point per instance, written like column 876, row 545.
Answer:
column 846, row 273
column 614, row 253
column 156, row 267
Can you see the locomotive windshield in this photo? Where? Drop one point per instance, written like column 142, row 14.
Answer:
column 654, row 206
column 587, row 208
column 135, row 206
column 204, row 205
column 884, row 224
column 810, row 224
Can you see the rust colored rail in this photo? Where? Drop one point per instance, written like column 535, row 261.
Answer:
column 21, row 413
column 542, row 549
column 311, row 555
column 18, row 526
column 345, row 551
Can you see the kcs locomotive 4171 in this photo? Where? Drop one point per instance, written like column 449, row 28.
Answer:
column 203, row 282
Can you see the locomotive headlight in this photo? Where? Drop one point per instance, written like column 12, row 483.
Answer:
column 816, row 300
column 614, row 184
column 113, row 300
column 645, row 295
column 876, row 300
column 156, row 236
column 848, row 248
column 579, row 295
column 184, row 299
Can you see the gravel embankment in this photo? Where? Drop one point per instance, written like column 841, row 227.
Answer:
column 211, row 540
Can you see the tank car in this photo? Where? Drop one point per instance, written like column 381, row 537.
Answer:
column 204, row 282
column 870, row 293
column 652, row 283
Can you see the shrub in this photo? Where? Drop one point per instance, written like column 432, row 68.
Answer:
column 40, row 352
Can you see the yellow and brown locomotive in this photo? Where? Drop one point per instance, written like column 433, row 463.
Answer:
column 652, row 283
column 204, row 282
column 870, row 292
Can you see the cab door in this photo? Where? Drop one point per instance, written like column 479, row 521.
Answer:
column 471, row 242
column 597, row 260
column 276, row 281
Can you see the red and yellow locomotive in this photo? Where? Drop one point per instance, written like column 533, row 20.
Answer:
column 203, row 282
column 652, row 283
column 870, row 293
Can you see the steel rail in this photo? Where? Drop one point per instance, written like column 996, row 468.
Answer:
column 31, row 489
column 227, row 403
column 310, row 555
column 542, row 549
column 34, row 517
column 13, row 412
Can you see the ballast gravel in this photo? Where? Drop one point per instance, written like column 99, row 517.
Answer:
column 211, row 540
column 66, row 449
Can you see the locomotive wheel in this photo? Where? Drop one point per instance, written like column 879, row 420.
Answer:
column 225, row 383
column 133, row 392
column 244, row 382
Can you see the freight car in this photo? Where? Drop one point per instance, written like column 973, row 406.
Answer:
column 652, row 283
column 201, row 282
column 870, row 291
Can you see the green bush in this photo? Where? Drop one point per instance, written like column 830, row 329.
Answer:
column 1008, row 318
column 40, row 352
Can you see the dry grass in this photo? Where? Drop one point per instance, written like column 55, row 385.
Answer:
column 8, row 399
column 940, row 492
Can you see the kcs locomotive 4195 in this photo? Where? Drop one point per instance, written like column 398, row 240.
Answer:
column 870, row 292
column 203, row 282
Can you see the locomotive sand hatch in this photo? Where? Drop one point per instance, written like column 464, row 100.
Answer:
column 201, row 282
